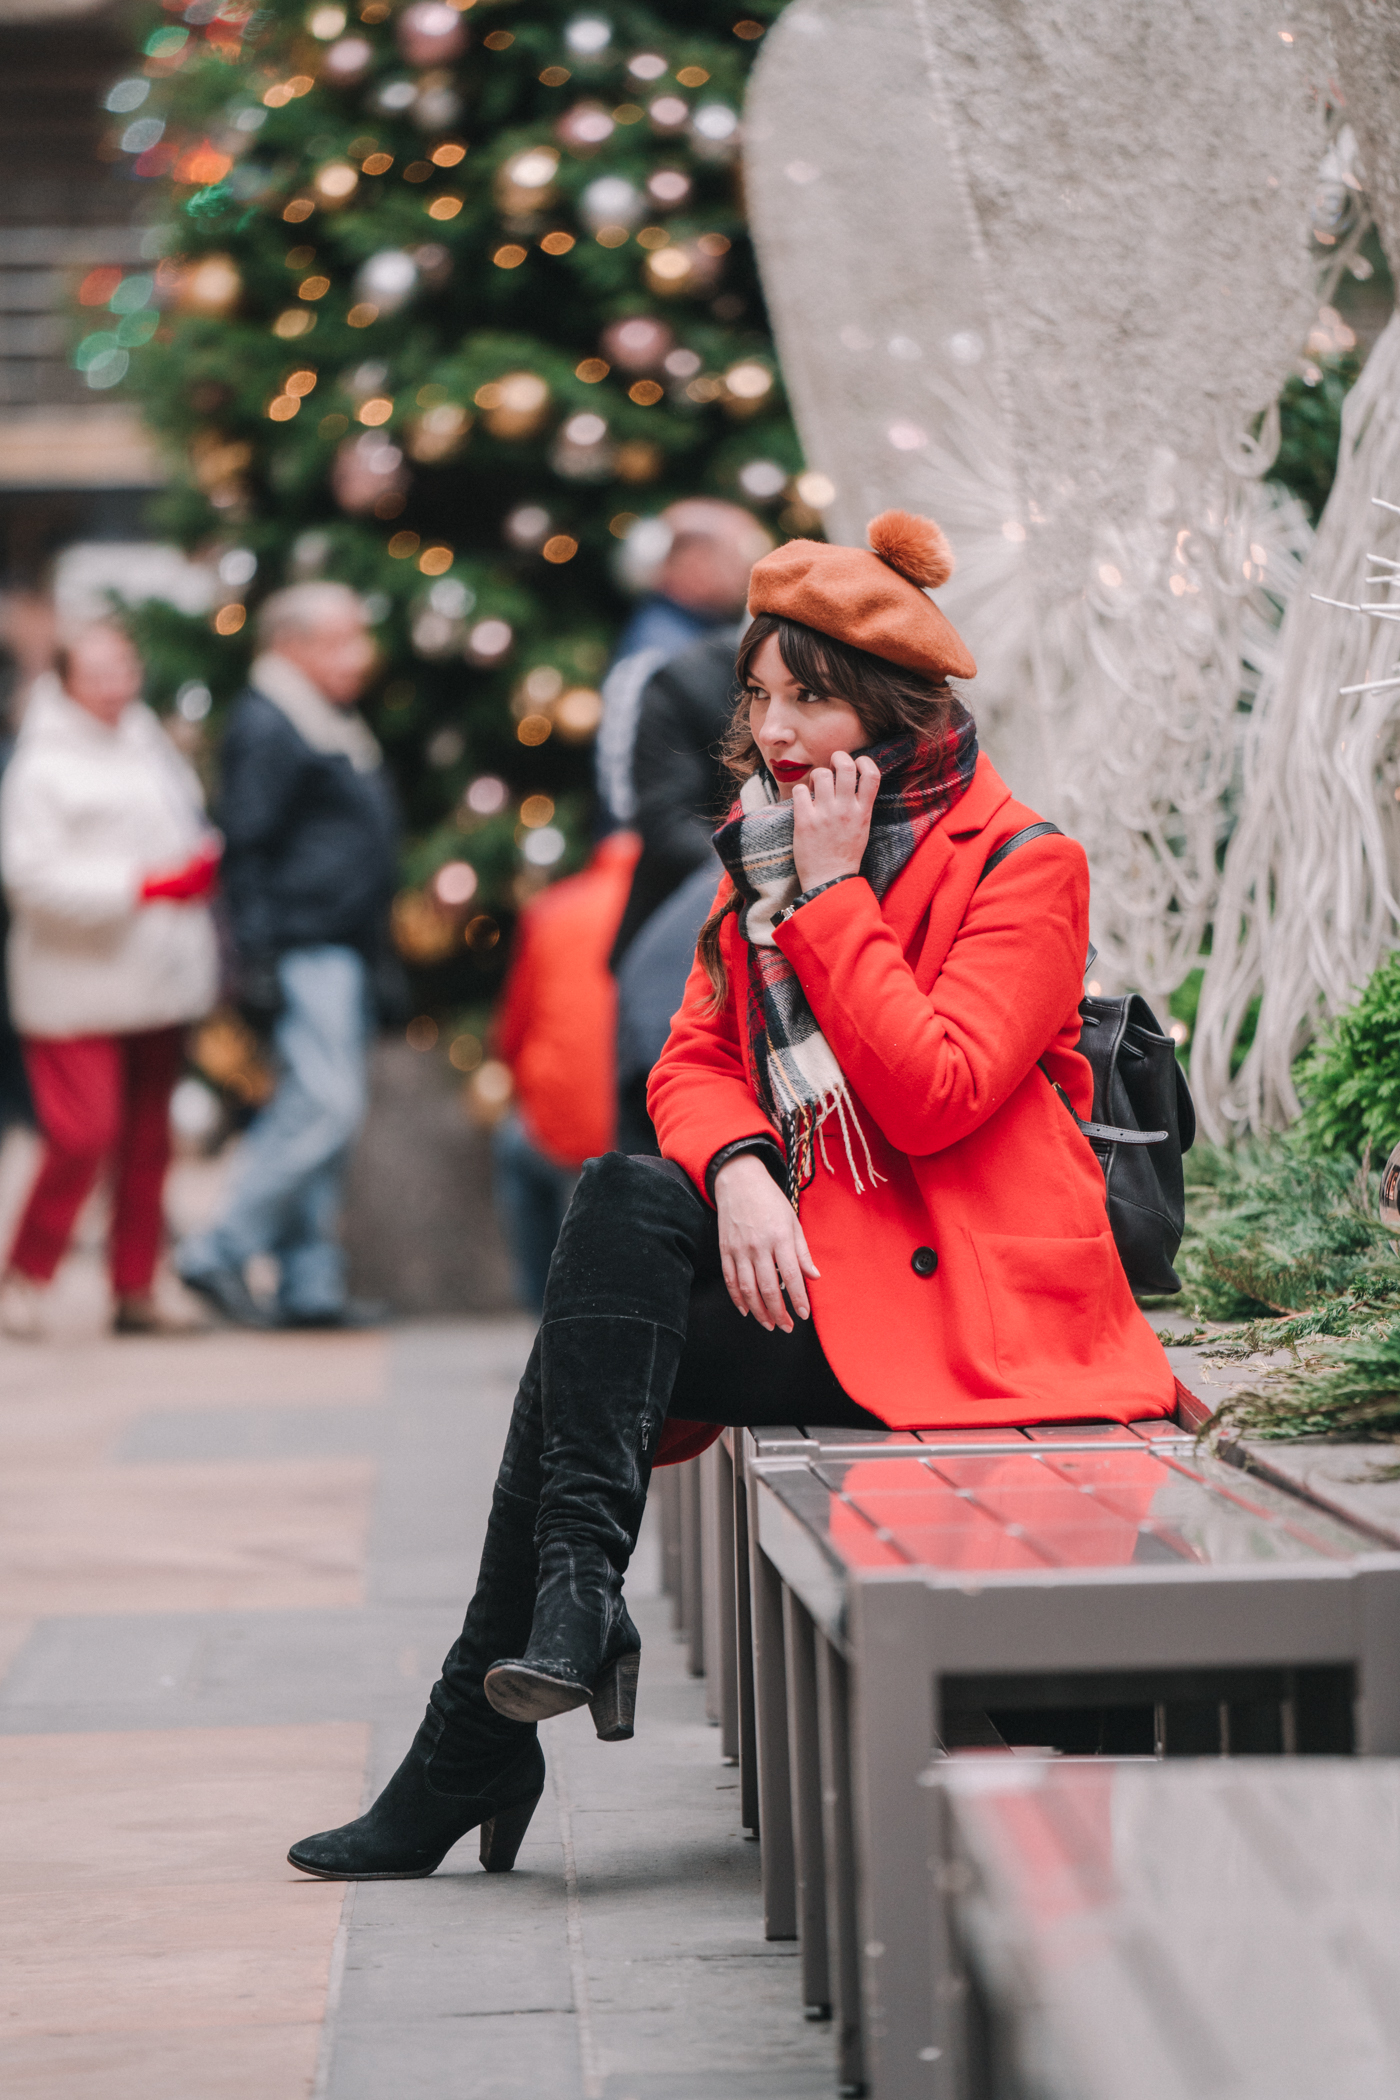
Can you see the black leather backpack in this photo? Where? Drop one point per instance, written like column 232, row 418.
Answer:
column 1142, row 1122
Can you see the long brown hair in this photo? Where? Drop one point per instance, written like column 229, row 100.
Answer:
column 889, row 700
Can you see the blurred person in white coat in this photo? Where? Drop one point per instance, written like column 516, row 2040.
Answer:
column 108, row 865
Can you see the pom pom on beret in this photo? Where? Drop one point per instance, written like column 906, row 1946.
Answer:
column 874, row 600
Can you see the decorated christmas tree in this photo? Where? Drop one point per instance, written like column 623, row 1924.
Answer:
column 443, row 301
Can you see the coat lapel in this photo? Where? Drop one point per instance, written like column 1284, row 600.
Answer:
column 919, row 906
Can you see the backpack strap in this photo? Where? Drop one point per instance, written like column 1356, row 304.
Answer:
column 1020, row 838
column 1097, row 1133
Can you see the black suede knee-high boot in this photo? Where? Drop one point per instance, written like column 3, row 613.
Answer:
column 613, row 1330
column 468, row 1765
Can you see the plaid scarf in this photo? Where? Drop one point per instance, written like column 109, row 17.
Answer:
column 794, row 1074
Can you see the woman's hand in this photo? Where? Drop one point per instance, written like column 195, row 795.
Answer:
column 761, row 1244
column 831, row 812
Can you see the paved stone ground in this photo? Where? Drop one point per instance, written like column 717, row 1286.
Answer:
column 229, row 1565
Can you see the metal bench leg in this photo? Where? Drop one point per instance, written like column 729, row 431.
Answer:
column 692, row 1606
column 748, row 1738
column 1378, row 1707
column 890, row 1643
column 705, row 1466
column 727, row 1634
column 804, row 1759
column 666, row 1488
column 839, row 1849
column 771, row 1715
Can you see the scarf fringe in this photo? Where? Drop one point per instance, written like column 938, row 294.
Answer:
column 806, row 1134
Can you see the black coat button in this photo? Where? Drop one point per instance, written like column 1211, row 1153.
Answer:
column 923, row 1261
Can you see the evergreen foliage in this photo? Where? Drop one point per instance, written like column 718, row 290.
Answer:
column 379, row 337
column 1350, row 1079
column 1290, row 1242
column 1276, row 1234
column 1310, row 430
column 1352, row 1393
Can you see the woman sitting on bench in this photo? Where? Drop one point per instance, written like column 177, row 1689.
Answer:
column 873, row 1208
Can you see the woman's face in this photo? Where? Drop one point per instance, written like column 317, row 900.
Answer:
column 104, row 674
column 794, row 728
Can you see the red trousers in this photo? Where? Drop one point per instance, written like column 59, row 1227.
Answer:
column 100, row 1098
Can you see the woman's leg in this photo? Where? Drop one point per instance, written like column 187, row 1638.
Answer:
column 76, row 1086
column 615, row 1313
column 548, row 1610
column 150, row 1068
column 561, row 1530
column 467, row 1765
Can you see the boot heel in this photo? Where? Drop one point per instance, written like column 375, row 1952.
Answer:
column 503, row 1834
column 614, row 1701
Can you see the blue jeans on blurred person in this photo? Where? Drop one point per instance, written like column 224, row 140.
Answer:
column 532, row 1195
column 285, row 1195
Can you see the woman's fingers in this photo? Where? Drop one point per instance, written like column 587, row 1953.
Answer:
column 790, row 1270
column 759, row 1286
column 757, row 1276
column 804, row 1252
column 764, row 1291
column 770, row 1288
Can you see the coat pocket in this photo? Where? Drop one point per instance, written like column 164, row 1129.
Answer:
column 1049, row 1300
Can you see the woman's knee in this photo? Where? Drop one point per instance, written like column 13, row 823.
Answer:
column 630, row 1178
column 626, row 1226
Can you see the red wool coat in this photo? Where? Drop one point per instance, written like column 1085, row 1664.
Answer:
column 938, row 1001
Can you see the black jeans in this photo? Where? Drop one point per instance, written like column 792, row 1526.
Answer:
column 734, row 1371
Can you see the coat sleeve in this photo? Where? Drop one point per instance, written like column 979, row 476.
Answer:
column 699, row 1096
column 47, row 873
column 261, row 784
column 931, row 1066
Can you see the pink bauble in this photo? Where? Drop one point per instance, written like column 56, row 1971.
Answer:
column 347, row 60
column 584, row 127
column 639, row 344
column 430, row 33
column 364, row 469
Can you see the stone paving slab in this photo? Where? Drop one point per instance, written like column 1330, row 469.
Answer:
column 236, row 1564
column 141, row 1897
column 176, row 1436
column 202, row 1537
column 214, row 1669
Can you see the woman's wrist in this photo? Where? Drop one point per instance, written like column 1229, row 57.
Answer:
column 765, row 1150
column 806, row 896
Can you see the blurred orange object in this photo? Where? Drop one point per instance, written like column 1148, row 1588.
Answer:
column 557, row 1018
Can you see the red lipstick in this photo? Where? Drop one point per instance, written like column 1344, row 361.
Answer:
column 784, row 769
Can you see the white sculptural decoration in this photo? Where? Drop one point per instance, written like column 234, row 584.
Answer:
column 1308, row 903
column 1038, row 271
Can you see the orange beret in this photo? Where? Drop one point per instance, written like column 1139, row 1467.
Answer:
column 875, row 601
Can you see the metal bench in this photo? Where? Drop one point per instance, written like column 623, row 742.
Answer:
column 906, row 1593
column 1173, row 1932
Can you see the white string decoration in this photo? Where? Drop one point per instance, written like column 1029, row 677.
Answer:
column 1051, row 335
column 1175, row 628
column 1307, row 906
column 1308, row 900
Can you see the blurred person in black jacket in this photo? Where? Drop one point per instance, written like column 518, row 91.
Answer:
column 681, row 788
column 694, row 561
column 682, row 791
column 308, row 877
